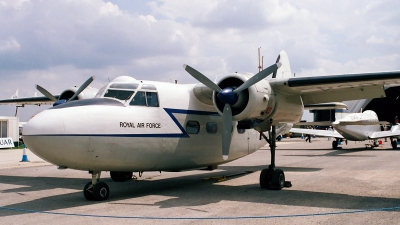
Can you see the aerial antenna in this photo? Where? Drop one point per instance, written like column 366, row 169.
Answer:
column 259, row 60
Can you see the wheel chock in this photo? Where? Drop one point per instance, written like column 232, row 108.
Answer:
column 220, row 178
column 287, row 184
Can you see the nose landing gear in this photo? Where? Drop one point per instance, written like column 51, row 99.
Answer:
column 96, row 190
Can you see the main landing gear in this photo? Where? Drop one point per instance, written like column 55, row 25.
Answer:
column 273, row 178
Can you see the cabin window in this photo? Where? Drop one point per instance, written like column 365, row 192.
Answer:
column 211, row 127
column 192, row 127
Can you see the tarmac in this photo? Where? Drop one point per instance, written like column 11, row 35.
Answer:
column 349, row 185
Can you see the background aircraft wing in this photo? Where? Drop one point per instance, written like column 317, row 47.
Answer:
column 395, row 131
column 320, row 89
column 324, row 133
column 42, row 100
column 362, row 122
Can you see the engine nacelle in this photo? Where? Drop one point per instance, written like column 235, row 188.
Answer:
column 89, row 92
column 256, row 102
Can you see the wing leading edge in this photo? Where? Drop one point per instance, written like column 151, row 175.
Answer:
column 321, row 89
column 324, row 133
column 43, row 100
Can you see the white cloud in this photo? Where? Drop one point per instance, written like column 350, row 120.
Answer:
column 9, row 45
column 374, row 40
column 58, row 44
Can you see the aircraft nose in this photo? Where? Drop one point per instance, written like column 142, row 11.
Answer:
column 55, row 134
column 44, row 123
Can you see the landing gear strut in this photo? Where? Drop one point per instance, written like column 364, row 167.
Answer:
column 394, row 143
column 96, row 190
column 272, row 178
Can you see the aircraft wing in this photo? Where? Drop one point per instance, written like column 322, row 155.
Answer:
column 325, row 106
column 395, row 131
column 319, row 123
column 363, row 122
column 320, row 89
column 42, row 100
column 324, row 133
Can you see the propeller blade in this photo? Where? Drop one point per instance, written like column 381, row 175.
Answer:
column 82, row 87
column 226, row 131
column 45, row 93
column 259, row 76
column 200, row 77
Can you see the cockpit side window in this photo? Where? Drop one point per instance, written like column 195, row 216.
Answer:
column 147, row 96
column 152, row 99
column 139, row 99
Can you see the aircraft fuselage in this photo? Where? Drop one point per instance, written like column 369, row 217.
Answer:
column 108, row 134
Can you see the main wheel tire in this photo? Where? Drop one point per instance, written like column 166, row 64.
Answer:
column 265, row 178
column 334, row 144
column 278, row 179
column 88, row 192
column 120, row 176
column 394, row 145
column 128, row 175
column 101, row 191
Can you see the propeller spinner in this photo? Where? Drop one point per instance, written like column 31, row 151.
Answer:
column 229, row 96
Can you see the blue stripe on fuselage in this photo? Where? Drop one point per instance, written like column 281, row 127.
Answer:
column 169, row 111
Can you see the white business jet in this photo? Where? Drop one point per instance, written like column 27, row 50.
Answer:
column 356, row 127
column 137, row 125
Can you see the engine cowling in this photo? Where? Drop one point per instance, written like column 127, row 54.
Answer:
column 89, row 92
column 255, row 102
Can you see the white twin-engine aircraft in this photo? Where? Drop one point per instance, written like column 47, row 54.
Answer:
column 356, row 127
column 136, row 125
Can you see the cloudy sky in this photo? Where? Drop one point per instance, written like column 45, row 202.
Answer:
column 61, row 43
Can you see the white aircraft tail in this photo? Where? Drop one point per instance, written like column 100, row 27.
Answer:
column 15, row 95
column 284, row 70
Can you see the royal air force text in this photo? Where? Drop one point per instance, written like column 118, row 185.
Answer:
column 139, row 125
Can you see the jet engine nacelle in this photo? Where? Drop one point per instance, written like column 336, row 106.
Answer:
column 89, row 92
column 255, row 102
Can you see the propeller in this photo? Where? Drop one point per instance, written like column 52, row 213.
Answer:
column 45, row 92
column 80, row 89
column 229, row 96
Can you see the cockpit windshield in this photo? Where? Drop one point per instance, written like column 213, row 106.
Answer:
column 121, row 91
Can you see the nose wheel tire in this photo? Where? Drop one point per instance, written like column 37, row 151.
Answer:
column 87, row 191
column 99, row 192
